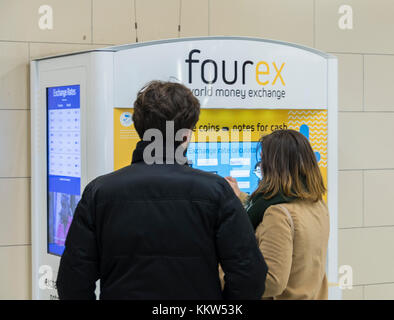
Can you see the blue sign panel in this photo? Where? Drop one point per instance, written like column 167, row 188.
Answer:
column 64, row 162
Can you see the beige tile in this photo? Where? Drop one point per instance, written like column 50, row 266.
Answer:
column 380, row 292
column 350, row 82
column 15, row 143
column 15, row 211
column 369, row 251
column 19, row 20
column 379, row 194
column 350, row 199
column 379, row 83
column 366, row 140
column 114, row 21
column 194, row 18
column 14, row 76
column 41, row 50
column 285, row 20
column 157, row 19
column 373, row 26
column 15, row 272
column 355, row 293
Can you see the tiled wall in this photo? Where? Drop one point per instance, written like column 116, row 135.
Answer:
column 366, row 117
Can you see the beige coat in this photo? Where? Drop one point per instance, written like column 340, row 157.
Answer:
column 293, row 238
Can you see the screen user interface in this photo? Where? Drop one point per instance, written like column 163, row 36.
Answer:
column 64, row 162
column 236, row 159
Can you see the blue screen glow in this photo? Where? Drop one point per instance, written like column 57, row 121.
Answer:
column 236, row 159
column 64, row 162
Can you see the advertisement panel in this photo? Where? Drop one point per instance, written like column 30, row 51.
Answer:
column 64, row 162
column 225, row 141
column 227, row 73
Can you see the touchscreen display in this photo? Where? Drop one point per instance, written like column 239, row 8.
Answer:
column 64, row 162
column 236, row 159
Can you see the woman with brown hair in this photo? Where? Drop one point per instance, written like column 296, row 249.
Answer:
column 290, row 217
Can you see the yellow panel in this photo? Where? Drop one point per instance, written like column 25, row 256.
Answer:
column 233, row 125
column 125, row 137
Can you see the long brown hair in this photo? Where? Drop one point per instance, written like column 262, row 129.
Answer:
column 289, row 166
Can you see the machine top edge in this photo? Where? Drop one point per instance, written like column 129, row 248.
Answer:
column 175, row 40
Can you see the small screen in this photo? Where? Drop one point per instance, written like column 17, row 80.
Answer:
column 64, row 162
column 236, row 159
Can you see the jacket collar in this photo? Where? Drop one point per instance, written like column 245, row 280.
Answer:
column 138, row 154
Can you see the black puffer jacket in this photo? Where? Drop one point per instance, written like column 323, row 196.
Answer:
column 159, row 232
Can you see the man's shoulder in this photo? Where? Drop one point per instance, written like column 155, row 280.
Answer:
column 133, row 171
column 107, row 181
column 180, row 180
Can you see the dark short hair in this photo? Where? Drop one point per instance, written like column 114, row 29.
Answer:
column 159, row 101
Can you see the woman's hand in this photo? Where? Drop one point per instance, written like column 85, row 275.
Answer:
column 234, row 185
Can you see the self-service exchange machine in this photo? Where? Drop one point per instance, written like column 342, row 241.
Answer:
column 81, row 114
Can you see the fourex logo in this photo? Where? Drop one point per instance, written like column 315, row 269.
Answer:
column 266, row 72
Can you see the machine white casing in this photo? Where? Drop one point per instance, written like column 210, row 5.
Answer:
column 111, row 77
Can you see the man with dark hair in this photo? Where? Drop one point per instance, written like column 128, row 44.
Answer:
column 160, row 230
